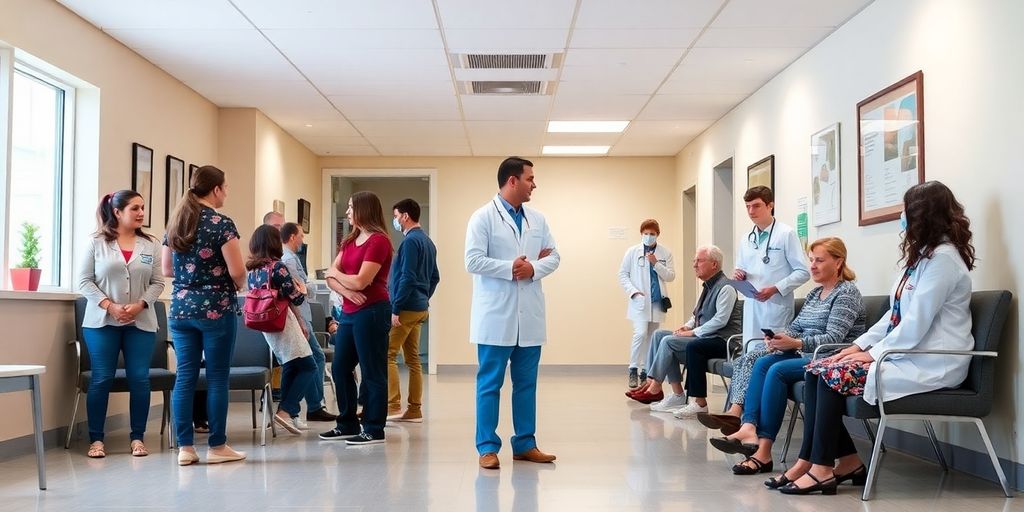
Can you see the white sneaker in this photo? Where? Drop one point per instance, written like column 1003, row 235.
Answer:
column 690, row 411
column 299, row 424
column 669, row 403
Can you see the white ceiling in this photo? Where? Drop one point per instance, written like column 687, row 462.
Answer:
column 364, row 77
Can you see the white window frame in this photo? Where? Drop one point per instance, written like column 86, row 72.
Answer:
column 65, row 223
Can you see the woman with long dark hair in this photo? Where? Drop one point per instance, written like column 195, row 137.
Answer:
column 929, row 310
column 290, row 346
column 202, row 253
column 121, row 278
column 360, row 275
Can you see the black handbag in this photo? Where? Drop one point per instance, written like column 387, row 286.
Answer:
column 666, row 304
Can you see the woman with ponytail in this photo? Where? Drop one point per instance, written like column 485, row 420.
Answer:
column 201, row 251
column 121, row 278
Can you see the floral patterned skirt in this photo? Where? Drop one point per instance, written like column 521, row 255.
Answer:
column 844, row 378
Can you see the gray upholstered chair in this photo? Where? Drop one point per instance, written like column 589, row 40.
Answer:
column 160, row 378
column 970, row 402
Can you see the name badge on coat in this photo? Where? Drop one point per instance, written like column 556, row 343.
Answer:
column 146, row 259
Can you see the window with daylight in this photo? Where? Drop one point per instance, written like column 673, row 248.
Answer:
column 39, row 189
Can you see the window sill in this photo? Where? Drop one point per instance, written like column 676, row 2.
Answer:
column 39, row 295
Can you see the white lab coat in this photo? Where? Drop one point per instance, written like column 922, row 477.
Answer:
column 506, row 311
column 935, row 314
column 786, row 270
column 635, row 276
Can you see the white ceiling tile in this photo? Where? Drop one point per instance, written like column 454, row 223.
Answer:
column 762, row 37
column 252, row 93
column 505, row 148
column 646, row 14
column 344, row 150
column 596, row 107
column 411, row 129
column 693, row 83
column 496, row 107
column 623, row 58
column 689, row 106
column 339, row 13
column 648, row 148
column 289, row 40
column 220, row 64
column 633, row 38
column 670, row 130
column 191, row 39
column 534, row 14
column 397, row 107
column 329, row 140
column 434, row 149
column 342, row 64
column 610, row 85
column 788, row 13
column 510, row 40
column 390, row 88
column 118, row 14
column 754, row 65
column 338, row 131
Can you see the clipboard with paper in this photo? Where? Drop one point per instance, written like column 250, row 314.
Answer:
column 743, row 287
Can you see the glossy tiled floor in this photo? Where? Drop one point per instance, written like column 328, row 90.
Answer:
column 612, row 455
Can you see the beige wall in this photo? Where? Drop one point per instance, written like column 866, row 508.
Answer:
column 581, row 198
column 138, row 102
column 969, row 53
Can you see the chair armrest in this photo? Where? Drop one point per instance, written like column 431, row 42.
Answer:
column 828, row 345
column 78, row 358
column 322, row 338
column 732, row 343
column 886, row 355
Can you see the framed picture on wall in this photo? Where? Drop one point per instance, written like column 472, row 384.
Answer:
column 890, row 136
column 762, row 172
column 142, row 177
column 303, row 220
column 175, row 185
column 192, row 168
column 825, row 176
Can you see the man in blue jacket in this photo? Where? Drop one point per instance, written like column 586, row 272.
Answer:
column 414, row 278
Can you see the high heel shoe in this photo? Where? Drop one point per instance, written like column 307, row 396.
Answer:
column 858, row 476
column 776, row 482
column 827, row 487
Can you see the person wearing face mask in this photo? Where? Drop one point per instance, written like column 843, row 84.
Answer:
column 645, row 269
column 414, row 278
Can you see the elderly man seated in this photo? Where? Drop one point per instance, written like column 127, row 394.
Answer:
column 715, row 318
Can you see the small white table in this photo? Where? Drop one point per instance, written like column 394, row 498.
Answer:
column 26, row 378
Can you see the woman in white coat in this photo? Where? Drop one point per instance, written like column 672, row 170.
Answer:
column 930, row 310
column 645, row 269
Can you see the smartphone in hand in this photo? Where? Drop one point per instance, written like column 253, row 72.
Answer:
column 768, row 332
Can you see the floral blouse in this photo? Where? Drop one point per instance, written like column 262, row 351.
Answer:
column 203, row 288
column 280, row 279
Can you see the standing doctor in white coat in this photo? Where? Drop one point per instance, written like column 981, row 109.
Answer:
column 645, row 270
column 772, row 259
column 509, row 249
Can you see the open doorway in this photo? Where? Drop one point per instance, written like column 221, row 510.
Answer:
column 390, row 185
column 723, row 206
column 689, row 247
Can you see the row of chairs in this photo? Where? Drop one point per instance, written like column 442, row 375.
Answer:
column 251, row 366
column 970, row 402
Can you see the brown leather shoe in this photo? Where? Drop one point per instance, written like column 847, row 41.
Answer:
column 727, row 423
column 534, row 455
column 489, row 461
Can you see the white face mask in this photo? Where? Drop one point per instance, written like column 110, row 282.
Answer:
column 649, row 240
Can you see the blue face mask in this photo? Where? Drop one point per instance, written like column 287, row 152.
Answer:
column 903, row 221
column 648, row 240
column 397, row 225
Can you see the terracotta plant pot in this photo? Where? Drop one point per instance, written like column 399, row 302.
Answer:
column 25, row 279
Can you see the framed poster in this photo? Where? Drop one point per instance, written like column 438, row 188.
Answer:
column 303, row 220
column 175, row 186
column 192, row 168
column 826, row 195
column 142, row 177
column 762, row 172
column 890, row 136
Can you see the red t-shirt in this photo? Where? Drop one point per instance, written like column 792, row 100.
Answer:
column 377, row 249
column 127, row 254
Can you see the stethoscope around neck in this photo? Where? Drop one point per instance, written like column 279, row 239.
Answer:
column 753, row 240
column 505, row 222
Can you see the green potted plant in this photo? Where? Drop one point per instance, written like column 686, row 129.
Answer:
column 25, row 275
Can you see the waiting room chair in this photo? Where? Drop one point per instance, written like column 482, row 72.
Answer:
column 160, row 378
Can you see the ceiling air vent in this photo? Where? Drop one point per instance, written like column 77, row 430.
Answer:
column 522, row 61
column 506, row 87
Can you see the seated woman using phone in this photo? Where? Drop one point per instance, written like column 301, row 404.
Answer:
column 833, row 312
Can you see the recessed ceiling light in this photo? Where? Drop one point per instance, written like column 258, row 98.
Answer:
column 587, row 126
column 575, row 150
column 309, row 126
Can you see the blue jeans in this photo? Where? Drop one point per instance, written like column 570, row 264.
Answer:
column 192, row 338
column 314, row 391
column 768, row 390
column 103, row 344
column 489, row 378
column 362, row 339
column 295, row 377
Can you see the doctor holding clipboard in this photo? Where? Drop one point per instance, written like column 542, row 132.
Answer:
column 772, row 260
column 509, row 249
